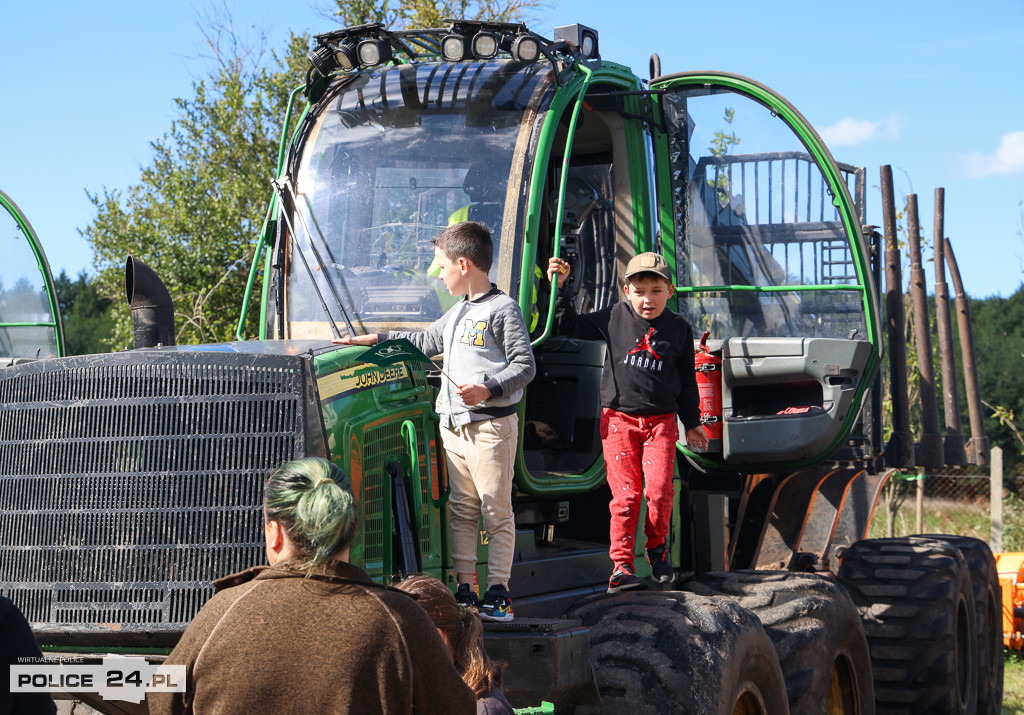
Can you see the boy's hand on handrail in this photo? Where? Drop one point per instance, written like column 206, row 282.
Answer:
column 697, row 438
column 559, row 267
column 367, row 340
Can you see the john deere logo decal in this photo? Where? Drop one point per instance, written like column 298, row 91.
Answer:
column 392, row 351
column 353, row 379
column 389, row 355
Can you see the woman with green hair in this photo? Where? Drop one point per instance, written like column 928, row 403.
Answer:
column 311, row 632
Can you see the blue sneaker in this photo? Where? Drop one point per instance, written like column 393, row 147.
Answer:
column 496, row 606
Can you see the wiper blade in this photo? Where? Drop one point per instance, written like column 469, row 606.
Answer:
column 283, row 187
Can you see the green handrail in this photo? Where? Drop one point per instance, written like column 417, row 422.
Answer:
column 271, row 214
column 409, row 433
column 28, row 325
column 588, row 74
column 801, row 288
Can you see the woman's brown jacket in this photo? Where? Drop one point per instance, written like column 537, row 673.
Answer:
column 274, row 641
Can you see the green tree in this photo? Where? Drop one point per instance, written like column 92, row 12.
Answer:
column 722, row 144
column 998, row 327
column 85, row 314
column 199, row 203
column 195, row 212
column 428, row 13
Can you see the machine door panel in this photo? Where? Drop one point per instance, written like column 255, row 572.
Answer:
column 766, row 242
column 787, row 398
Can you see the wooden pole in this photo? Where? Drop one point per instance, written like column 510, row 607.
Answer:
column 929, row 450
column 899, row 452
column 995, row 500
column 953, row 442
column 977, row 447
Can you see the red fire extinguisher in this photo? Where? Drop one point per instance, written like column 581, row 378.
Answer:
column 709, row 386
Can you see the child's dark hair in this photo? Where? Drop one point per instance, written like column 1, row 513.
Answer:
column 469, row 240
column 461, row 629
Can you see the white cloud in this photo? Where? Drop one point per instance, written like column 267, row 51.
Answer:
column 851, row 132
column 1007, row 159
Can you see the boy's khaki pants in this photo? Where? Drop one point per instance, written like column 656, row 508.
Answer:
column 481, row 458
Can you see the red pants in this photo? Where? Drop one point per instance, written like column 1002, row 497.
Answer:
column 639, row 454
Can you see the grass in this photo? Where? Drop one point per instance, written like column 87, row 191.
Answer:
column 940, row 516
column 1013, row 684
column 949, row 516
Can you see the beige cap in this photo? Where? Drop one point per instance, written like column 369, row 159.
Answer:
column 648, row 263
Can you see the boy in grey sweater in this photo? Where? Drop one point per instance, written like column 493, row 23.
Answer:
column 488, row 360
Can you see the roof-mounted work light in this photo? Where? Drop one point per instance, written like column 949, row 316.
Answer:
column 347, row 56
column 583, row 37
column 373, row 52
column 350, row 47
column 485, row 45
column 453, row 48
column 525, row 49
column 322, row 59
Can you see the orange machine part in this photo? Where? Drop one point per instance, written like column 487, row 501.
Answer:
column 1010, row 566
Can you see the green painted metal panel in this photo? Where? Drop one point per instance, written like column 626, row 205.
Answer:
column 364, row 407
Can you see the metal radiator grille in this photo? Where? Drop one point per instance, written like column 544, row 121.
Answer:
column 381, row 445
column 129, row 482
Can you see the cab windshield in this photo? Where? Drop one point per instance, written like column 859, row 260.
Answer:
column 393, row 157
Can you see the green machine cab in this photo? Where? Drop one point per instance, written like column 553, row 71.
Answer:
column 30, row 322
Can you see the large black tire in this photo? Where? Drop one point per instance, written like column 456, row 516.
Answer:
column 988, row 618
column 817, row 634
column 669, row 652
column 915, row 600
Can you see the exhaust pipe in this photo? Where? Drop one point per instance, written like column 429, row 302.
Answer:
column 152, row 307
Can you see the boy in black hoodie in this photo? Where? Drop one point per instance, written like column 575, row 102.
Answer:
column 648, row 379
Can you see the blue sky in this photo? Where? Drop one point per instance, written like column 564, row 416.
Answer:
column 936, row 90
